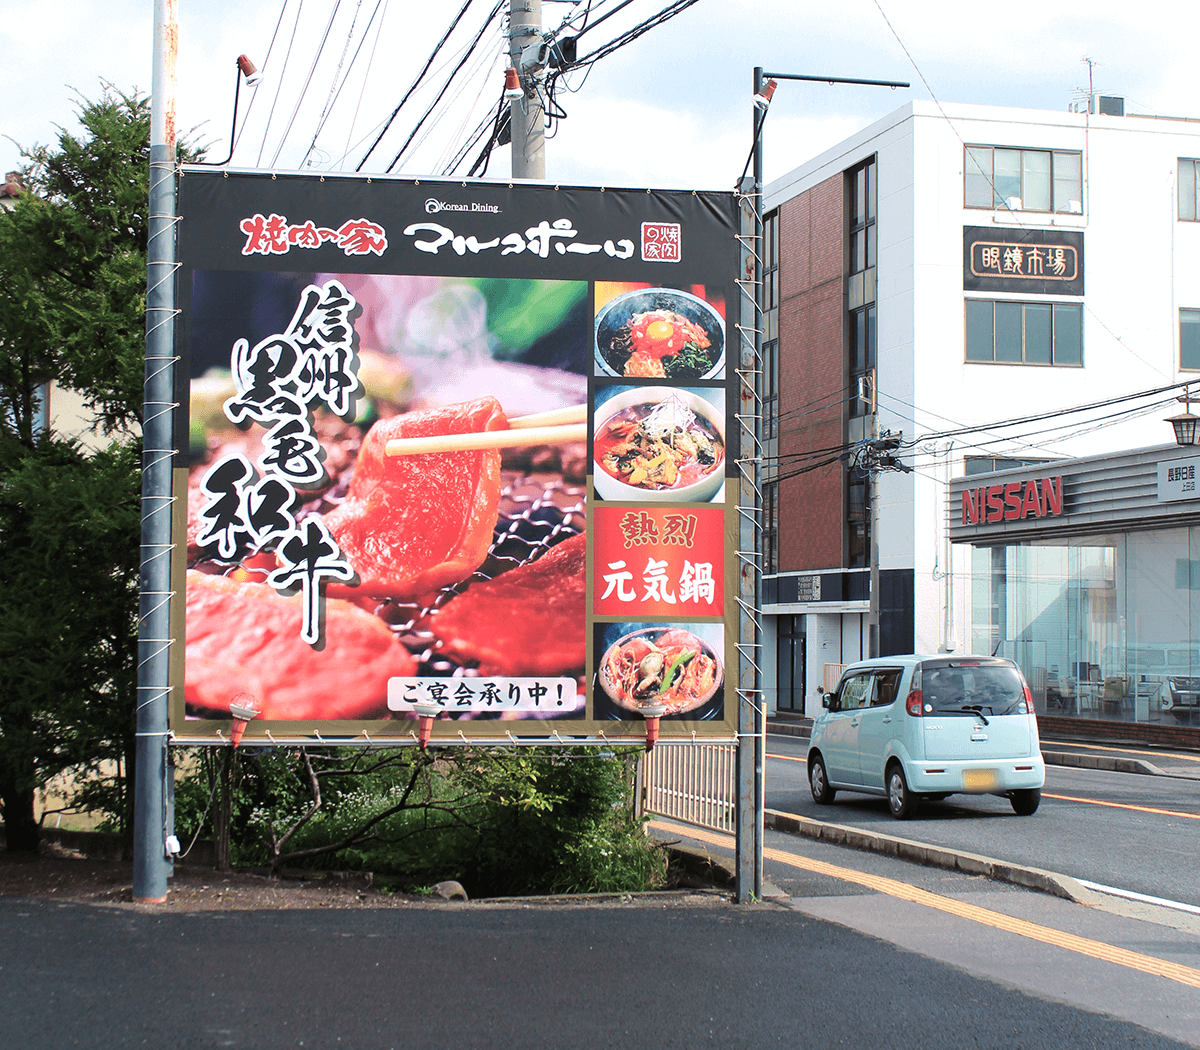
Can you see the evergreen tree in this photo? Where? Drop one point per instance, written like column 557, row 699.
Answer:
column 72, row 312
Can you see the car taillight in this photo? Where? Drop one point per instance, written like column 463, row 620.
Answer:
column 913, row 704
column 1028, row 701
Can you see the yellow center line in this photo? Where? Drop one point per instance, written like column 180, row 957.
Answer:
column 1120, row 750
column 1123, row 805
column 997, row 920
column 787, row 758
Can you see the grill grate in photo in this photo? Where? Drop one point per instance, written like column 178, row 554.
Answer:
column 535, row 514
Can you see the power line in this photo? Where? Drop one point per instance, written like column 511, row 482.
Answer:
column 494, row 120
column 307, row 82
column 362, row 90
column 279, row 82
column 482, row 69
column 832, row 454
column 335, row 88
column 453, row 67
column 265, row 66
column 474, row 43
column 413, row 87
column 485, row 155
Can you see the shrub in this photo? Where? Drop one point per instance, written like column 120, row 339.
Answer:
column 500, row 821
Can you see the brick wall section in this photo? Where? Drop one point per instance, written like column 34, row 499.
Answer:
column 811, row 366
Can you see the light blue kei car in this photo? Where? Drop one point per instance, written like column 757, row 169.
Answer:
column 917, row 727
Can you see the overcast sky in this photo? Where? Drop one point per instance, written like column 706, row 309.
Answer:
column 670, row 109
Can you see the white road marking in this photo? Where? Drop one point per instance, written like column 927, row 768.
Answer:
column 1144, row 898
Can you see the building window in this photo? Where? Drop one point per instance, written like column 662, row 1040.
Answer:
column 858, row 519
column 770, row 388
column 770, row 524
column 862, row 361
column 1189, row 339
column 770, row 295
column 860, row 286
column 1187, row 189
column 1024, row 333
column 1023, row 179
column 987, row 464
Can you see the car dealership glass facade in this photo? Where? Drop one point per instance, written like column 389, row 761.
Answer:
column 1103, row 626
column 1095, row 595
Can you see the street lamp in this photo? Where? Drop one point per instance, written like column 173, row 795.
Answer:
column 1184, row 424
column 243, row 68
column 1185, row 428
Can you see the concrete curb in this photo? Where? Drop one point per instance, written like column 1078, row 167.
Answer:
column 1105, row 762
column 783, row 729
column 932, row 856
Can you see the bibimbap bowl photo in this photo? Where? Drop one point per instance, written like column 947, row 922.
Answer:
column 660, row 333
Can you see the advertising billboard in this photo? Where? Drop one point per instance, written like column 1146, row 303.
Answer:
column 453, row 446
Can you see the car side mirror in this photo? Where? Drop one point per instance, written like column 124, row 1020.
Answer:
column 825, row 698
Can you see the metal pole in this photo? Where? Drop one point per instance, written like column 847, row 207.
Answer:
column 154, row 633
column 750, row 727
column 760, row 735
column 873, row 494
column 745, row 822
column 526, row 114
column 836, row 80
column 751, row 752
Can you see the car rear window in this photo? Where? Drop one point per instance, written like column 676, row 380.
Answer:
column 994, row 690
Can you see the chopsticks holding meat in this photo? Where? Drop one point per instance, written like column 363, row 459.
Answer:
column 488, row 439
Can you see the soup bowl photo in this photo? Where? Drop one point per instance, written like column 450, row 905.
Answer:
column 641, row 400
column 657, row 636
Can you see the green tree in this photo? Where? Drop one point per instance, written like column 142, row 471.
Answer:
column 72, row 312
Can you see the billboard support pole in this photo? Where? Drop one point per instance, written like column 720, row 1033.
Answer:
column 751, row 697
column 150, row 859
column 750, row 757
column 526, row 118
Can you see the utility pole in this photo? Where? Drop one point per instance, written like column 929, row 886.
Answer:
column 150, row 858
column 881, row 455
column 527, row 119
column 873, row 497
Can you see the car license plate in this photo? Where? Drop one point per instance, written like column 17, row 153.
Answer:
column 979, row 779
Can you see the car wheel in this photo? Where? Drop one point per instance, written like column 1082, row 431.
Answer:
column 901, row 801
column 818, row 780
column 1025, row 803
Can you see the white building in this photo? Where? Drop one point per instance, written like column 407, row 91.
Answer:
column 947, row 268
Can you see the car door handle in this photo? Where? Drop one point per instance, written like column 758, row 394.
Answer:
column 888, row 718
column 854, row 722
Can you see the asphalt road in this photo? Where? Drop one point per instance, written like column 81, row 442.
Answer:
column 1145, row 839
column 467, row 977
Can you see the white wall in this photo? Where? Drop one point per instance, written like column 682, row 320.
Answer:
column 1141, row 266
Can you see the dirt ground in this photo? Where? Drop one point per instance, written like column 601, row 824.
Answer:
column 65, row 876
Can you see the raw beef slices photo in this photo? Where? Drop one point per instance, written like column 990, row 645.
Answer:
column 243, row 639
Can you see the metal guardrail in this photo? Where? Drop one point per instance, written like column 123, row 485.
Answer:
column 694, row 783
